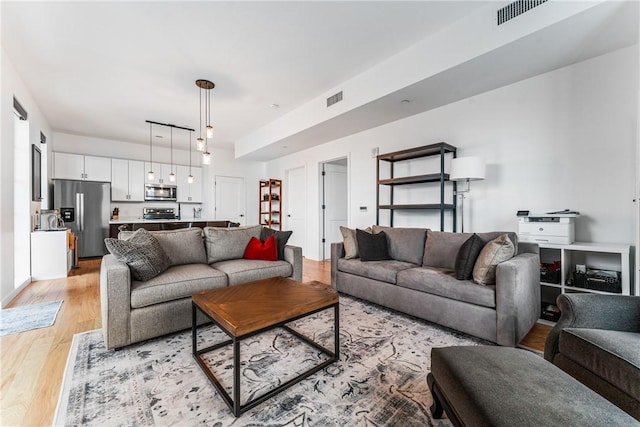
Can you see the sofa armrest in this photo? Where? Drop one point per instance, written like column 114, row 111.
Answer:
column 337, row 251
column 115, row 302
column 528, row 248
column 517, row 297
column 293, row 255
column 593, row 311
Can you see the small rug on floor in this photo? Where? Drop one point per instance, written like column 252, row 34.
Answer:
column 380, row 379
column 28, row 317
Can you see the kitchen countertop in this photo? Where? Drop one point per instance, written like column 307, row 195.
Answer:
column 137, row 220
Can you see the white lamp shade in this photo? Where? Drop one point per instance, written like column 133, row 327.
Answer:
column 467, row 168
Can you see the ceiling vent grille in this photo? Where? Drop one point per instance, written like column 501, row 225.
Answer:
column 333, row 99
column 516, row 8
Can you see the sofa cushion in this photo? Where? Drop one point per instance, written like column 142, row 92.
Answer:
column 228, row 243
column 613, row 356
column 184, row 246
column 493, row 253
column 177, row 282
column 441, row 248
column 467, row 256
column 405, row 244
column 282, row 237
column 142, row 253
column 245, row 270
column 384, row 271
column 372, row 247
column 442, row 282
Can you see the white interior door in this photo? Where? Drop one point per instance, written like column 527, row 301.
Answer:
column 230, row 199
column 335, row 204
column 295, row 202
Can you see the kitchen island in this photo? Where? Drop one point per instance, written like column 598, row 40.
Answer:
column 132, row 224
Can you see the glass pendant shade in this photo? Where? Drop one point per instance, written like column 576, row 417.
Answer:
column 206, row 158
column 190, row 179
column 172, row 177
column 150, row 175
column 200, row 144
column 209, row 131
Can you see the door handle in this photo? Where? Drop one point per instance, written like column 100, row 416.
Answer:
column 78, row 217
column 241, row 215
column 289, row 215
column 82, row 211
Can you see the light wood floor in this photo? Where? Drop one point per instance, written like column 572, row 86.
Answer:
column 32, row 363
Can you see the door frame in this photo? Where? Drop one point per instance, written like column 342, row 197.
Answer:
column 243, row 199
column 286, row 200
column 321, row 211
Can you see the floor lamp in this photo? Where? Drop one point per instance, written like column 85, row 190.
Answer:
column 466, row 169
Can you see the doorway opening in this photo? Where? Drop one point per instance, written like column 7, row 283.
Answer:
column 334, row 202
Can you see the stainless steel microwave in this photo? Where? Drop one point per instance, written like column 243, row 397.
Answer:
column 160, row 192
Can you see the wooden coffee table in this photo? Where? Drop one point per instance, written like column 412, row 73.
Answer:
column 242, row 311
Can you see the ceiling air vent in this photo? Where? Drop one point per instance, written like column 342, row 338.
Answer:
column 333, row 99
column 516, row 8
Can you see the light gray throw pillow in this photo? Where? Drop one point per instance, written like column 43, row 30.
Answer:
column 493, row 253
column 228, row 243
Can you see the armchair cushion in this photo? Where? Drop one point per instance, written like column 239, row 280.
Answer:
column 613, row 355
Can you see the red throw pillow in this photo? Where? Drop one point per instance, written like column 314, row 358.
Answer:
column 267, row 250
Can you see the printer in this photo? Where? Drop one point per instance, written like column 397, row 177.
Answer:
column 556, row 227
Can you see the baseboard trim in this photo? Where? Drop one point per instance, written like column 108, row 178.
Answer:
column 15, row 293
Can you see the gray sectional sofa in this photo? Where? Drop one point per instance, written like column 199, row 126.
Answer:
column 419, row 280
column 134, row 311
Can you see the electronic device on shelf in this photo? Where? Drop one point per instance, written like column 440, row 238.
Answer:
column 551, row 227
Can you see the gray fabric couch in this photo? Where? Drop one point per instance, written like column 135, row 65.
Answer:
column 134, row 311
column 419, row 281
column 597, row 341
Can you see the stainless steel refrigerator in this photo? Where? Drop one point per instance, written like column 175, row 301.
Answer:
column 84, row 207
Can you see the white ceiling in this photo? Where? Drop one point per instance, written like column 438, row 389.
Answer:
column 102, row 69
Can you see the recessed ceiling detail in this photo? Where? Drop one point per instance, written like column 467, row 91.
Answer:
column 517, row 8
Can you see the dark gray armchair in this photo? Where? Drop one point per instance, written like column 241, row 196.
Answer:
column 597, row 341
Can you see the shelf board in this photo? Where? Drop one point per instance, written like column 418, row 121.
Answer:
column 551, row 285
column 417, row 179
column 414, row 153
column 418, row 206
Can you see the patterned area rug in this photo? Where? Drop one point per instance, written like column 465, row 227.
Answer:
column 25, row 318
column 380, row 380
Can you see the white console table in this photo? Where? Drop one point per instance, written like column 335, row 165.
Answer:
column 51, row 257
column 609, row 256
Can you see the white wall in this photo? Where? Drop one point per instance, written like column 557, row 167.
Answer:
column 12, row 86
column 223, row 163
column 564, row 139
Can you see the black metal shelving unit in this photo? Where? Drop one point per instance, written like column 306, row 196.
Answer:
column 439, row 149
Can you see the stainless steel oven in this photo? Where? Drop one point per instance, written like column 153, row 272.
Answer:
column 160, row 192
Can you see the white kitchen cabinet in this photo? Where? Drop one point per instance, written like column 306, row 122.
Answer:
column 161, row 173
column 189, row 193
column 50, row 254
column 127, row 180
column 79, row 167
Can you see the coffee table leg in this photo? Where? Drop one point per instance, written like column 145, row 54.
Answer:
column 236, row 377
column 336, row 331
column 193, row 329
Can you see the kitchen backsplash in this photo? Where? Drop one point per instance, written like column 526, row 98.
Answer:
column 134, row 210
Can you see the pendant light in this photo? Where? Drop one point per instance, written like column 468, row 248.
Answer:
column 190, row 177
column 172, row 175
column 200, row 143
column 208, row 131
column 150, row 174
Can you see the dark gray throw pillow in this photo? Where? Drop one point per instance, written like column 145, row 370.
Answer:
column 142, row 253
column 372, row 247
column 467, row 256
column 281, row 238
